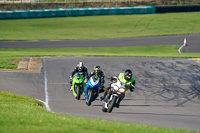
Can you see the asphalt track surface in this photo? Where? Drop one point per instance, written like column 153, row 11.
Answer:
column 167, row 89
column 192, row 42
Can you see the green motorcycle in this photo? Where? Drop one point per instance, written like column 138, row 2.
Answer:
column 78, row 85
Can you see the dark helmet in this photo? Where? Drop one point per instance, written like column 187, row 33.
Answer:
column 128, row 74
column 80, row 66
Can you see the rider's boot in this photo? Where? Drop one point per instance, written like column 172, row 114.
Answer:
column 70, row 84
column 71, row 87
column 120, row 99
column 105, row 93
column 102, row 97
column 117, row 105
column 102, row 89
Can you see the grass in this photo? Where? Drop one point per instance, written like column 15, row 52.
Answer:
column 20, row 114
column 7, row 55
column 98, row 27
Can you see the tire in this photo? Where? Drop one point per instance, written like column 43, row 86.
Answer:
column 112, row 104
column 90, row 96
column 75, row 91
column 78, row 92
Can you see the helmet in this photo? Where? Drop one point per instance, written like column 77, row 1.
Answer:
column 80, row 66
column 128, row 74
column 97, row 68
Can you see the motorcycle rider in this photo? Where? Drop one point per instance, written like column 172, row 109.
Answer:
column 79, row 68
column 99, row 73
column 127, row 78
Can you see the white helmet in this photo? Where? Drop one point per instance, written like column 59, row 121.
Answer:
column 80, row 66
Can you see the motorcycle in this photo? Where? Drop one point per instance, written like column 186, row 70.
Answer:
column 117, row 89
column 78, row 85
column 92, row 89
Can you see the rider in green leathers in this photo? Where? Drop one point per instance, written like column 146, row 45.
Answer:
column 79, row 68
column 126, row 78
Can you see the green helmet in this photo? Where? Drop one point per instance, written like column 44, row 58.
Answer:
column 97, row 68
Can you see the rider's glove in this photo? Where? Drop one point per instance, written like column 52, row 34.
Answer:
column 132, row 87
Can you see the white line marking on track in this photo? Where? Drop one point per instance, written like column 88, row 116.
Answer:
column 46, row 88
column 58, row 83
column 44, row 103
column 179, row 50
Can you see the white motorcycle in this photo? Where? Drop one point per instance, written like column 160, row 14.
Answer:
column 117, row 90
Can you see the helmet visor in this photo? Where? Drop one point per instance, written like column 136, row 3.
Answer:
column 97, row 68
column 128, row 77
column 80, row 68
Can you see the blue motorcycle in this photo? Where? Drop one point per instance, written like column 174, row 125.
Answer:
column 92, row 89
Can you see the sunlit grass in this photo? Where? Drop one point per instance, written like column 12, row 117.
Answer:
column 20, row 114
column 7, row 55
column 98, row 27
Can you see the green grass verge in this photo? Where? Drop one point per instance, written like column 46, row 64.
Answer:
column 98, row 27
column 20, row 114
column 7, row 55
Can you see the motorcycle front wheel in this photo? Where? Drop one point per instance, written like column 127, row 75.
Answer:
column 111, row 104
column 78, row 92
column 90, row 97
